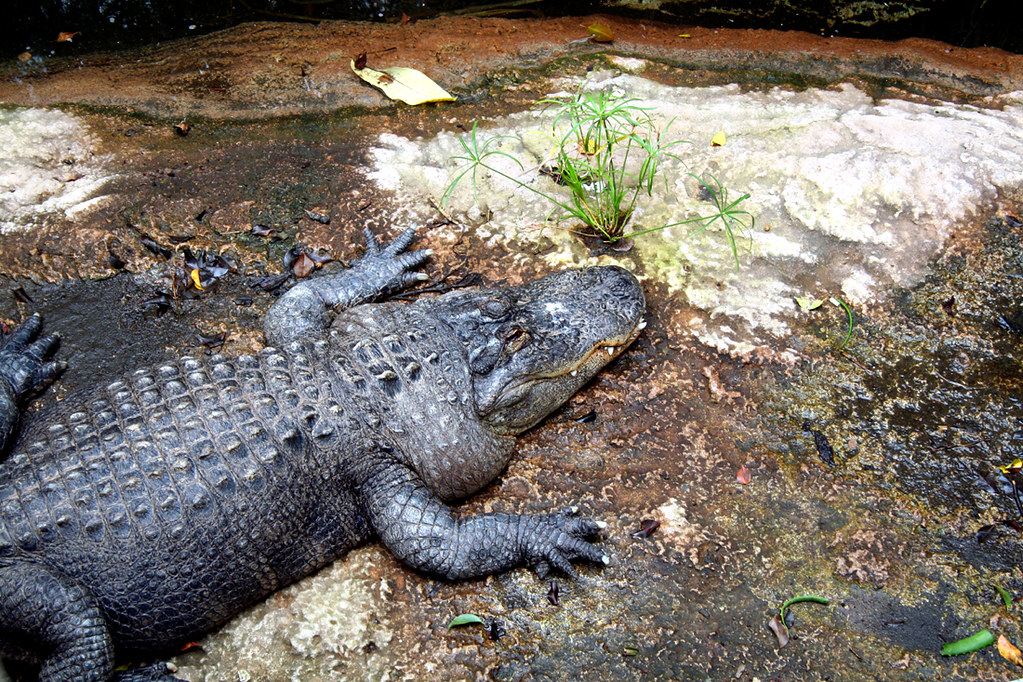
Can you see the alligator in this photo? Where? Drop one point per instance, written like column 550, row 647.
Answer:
column 138, row 516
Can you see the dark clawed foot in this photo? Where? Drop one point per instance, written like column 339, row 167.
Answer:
column 155, row 672
column 391, row 264
column 24, row 358
column 562, row 539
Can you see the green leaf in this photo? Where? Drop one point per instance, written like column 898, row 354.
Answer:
column 969, row 644
column 801, row 598
column 1006, row 597
column 808, row 303
column 465, row 619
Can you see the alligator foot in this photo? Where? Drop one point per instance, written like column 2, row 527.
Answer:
column 24, row 370
column 555, row 540
column 388, row 268
column 23, row 359
column 302, row 313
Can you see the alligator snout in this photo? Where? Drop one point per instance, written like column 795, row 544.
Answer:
column 619, row 289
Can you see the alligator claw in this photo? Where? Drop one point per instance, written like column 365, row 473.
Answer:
column 391, row 266
column 562, row 539
column 24, row 363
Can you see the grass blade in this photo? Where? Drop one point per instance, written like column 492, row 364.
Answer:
column 966, row 645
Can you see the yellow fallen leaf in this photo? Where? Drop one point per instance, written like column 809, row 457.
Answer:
column 1016, row 465
column 599, row 33
column 1009, row 651
column 718, row 140
column 404, row 84
column 195, row 280
column 684, row 35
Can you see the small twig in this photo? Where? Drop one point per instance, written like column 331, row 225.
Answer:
column 282, row 15
column 445, row 216
column 941, row 448
column 956, row 383
column 486, row 10
column 439, row 286
column 1015, row 496
column 856, row 362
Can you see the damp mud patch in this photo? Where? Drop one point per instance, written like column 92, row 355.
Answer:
column 925, row 403
column 852, row 196
column 49, row 168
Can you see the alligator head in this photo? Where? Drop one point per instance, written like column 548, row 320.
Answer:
column 532, row 346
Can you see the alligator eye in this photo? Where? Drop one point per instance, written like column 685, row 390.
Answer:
column 494, row 308
column 515, row 339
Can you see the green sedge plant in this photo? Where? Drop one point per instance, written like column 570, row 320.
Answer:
column 608, row 152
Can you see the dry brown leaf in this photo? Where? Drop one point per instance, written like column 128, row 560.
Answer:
column 303, row 265
column 744, row 475
column 779, row 630
column 1009, row 651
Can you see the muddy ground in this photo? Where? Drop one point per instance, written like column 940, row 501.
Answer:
column 871, row 465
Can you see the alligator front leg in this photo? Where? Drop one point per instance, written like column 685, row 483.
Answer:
column 24, row 369
column 303, row 312
column 422, row 531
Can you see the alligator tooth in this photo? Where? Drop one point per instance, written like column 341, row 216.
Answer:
column 610, row 350
column 641, row 325
column 575, row 372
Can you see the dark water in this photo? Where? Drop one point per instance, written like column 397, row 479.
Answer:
column 112, row 24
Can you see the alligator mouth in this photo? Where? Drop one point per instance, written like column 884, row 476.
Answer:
column 588, row 364
column 613, row 348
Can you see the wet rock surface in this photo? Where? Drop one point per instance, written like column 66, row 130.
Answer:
column 871, row 464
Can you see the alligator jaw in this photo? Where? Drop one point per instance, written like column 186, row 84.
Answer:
column 614, row 348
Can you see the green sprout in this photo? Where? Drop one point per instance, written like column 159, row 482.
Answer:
column 849, row 318
column 726, row 212
column 607, row 153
